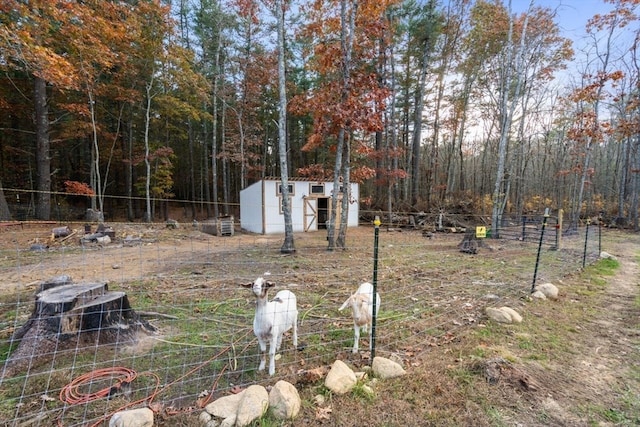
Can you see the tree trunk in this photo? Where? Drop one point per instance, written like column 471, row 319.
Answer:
column 129, row 173
column 341, row 242
column 147, row 163
column 288, row 245
column 5, row 214
column 225, row 162
column 69, row 316
column 346, row 43
column 417, row 129
column 214, row 131
column 507, row 106
column 96, row 176
column 43, row 158
column 331, row 226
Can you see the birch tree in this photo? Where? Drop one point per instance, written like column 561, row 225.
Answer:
column 601, row 72
column 288, row 245
column 509, row 91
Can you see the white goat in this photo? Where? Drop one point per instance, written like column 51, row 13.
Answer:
column 273, row 319
column 362, row 306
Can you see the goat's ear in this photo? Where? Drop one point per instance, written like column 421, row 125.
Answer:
column 247, row 285
column 269, row 284
column 346, row 303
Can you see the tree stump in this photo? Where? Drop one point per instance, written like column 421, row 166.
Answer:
column 69, row 316
column 469, row 243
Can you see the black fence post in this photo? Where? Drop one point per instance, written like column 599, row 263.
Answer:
column 376, row 231
column 599, row 235
column 535, row 271
column 586, row 240
column 524, row 227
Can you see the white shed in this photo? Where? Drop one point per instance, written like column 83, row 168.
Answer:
column 261, row 206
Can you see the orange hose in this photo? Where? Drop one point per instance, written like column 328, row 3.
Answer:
column 71, row 395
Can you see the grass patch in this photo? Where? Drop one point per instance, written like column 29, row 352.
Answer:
column 363, row 392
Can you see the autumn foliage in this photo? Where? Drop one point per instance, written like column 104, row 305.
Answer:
column 78, row 188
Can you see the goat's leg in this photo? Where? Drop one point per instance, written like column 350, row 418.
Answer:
column 272, row 354
column 263, row 351
column 295, row 332
column 356, row 338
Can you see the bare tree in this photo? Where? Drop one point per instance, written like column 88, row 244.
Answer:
column 510, row 91
column 288, row 245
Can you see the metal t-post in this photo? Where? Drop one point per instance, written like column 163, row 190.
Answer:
column 376, row 231
column 535, row 271
column 586, row 240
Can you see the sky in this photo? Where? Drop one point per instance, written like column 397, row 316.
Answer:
column 573, row 14
column 572, row 17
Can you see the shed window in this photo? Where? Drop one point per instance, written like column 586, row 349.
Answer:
column 317, row 189
column 281, row 199
column 290, row 186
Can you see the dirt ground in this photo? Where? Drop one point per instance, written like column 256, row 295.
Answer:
column 596, row 383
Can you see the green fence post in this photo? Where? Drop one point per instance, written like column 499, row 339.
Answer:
column 535, row 271
column 376, row 231
column 586, row 239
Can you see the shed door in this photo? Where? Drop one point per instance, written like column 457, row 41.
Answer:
column 316, row 213
column 310, row 214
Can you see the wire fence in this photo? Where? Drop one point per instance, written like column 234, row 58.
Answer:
column 158, row 317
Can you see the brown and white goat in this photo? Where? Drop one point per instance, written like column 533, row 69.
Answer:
column 362, row 308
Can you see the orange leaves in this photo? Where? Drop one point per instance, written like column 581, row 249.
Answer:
column 593, row 92
column 586, row 128
column 362, row 173
column 315, row 172
column 248, row 9
column 353, row 101
column 622, row 15
column 79, row 188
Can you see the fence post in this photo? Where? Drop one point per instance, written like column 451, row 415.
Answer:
column 376, row 231
column 559, row 228
column 600, row 234
column 535, row 271
column 586, row 239
column 524, row 227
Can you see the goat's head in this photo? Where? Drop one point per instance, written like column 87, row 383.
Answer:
column 356, row 301
column 260, row 287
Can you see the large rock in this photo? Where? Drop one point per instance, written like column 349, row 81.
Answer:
column 385, row 368
column 141, row 417
column 226, row 406
column 548, row 289
column 340, row 379
column 239, row 409
column 498, row 315
column 538, row 295
column 515, row 316
column 284, row 400
column 606, row 255
column 254, row 404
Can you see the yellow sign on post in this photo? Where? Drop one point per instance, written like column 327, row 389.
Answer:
column 481, row 232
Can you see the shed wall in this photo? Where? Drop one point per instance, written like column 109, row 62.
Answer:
column 268, row 205
column 251, row 208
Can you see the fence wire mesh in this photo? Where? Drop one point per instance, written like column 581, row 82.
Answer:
column 176, row 331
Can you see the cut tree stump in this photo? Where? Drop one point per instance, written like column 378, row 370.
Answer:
column 71, row 316
column 470, row 243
